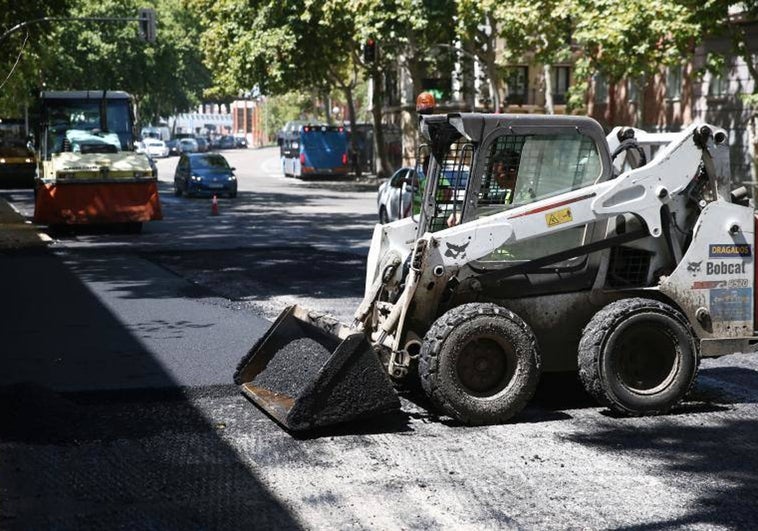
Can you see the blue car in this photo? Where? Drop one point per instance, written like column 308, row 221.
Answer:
column 204, row 174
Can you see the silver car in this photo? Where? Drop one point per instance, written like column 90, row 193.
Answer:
column 188, row 145
column 395, row 197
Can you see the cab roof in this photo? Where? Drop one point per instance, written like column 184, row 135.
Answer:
column 477, row 126
column 84, row 95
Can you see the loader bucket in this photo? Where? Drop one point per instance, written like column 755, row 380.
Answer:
column 307, row 372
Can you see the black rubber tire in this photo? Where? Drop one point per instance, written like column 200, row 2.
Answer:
column 177, row 191
column 232, row 195
column 638, row 357
column 505, row 341
column 383, row 216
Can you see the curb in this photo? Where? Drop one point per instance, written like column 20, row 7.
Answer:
column 16, row 232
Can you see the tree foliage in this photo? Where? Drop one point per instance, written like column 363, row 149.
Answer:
column 164, row 77
column 632, row 40
column 24, row 53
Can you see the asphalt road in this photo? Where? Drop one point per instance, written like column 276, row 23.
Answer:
column 117, row 409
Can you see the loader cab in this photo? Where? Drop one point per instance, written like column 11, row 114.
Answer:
column 486, row 164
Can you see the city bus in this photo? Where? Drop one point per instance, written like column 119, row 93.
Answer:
column 88, row 170
column 313, row 150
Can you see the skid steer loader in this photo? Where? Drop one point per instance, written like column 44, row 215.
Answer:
column 532, row 252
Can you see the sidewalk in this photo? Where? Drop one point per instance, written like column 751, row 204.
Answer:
column 15, row 232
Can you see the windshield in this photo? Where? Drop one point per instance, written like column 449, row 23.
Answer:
column 213, row 162
column 521, row 169
column 79, row 126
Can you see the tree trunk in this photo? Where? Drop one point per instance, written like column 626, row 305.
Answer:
column 377, row 103
column 548, row 81
column 641, row 85
column 328, row 108
column 740, row 43
column 410, row 120
column 354, row 156
column 493, row 82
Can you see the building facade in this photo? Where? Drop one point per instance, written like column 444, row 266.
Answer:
column 670, row 100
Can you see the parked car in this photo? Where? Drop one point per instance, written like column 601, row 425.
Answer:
column 400, row 196
column 18, row 166
column 204, row 174
column 155, row 147
column 188, row 145
column 395, row 198
column 173, row 148
column 226, row 142
column 203, row 146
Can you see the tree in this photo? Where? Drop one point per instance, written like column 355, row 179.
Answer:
column 24, row 53
column 164, row 78
column 537, row 30
column 731, row 21
column 629, row 43
column 477, row 30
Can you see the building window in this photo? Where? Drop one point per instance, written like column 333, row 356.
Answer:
column 518, row 84
column 561, row 80
column 601, row 89
column 719, row 84
column 674, row 83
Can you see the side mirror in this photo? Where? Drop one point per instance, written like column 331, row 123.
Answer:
column 233, row 168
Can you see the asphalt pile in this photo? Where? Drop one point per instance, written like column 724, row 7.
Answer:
column 293, row 367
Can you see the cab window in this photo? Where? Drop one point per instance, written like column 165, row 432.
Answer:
column 522, row 169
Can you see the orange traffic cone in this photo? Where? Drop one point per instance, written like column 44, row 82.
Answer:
column 214, row 206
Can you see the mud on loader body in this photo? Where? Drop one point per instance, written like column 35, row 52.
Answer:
column 532, row 252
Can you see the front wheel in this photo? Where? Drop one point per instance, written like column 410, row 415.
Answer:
column 479, row 363
column 638, row 356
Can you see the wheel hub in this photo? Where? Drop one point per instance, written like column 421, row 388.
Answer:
column 647, row 358
column 485, row 366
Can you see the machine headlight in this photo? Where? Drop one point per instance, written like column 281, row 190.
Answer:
column 139, row 174
column 232, row 178
column 196, row 178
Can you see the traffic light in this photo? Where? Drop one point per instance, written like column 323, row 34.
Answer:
column 369, row 51
column 147, row 24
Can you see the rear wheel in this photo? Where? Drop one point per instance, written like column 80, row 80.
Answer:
column 638, row 356
column 479, row 363
column 177, row 190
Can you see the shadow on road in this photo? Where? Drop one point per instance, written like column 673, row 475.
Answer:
column 718, row 462
column 107, row 459
column 259, row 274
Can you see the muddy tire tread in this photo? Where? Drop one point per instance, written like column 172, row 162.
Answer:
column 434, row 340
column 592, row 342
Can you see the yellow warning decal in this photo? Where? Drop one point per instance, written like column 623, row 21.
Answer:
column 557, row 217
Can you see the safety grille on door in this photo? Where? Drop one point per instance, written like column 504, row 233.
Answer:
column 451, row 186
